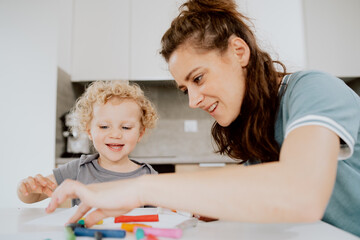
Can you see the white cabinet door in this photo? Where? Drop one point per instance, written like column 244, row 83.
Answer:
column 101, row 38
column 149, row 21
column 279, row 29
column 305, row 34
column 333, row 36
column 120, row 39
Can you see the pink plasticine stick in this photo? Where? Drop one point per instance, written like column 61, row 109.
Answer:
column 162, row 232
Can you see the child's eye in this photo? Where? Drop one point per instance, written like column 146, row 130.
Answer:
column 103, row 127
column 126, row 128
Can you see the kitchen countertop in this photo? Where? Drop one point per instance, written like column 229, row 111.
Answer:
column 15, row 226
column 170, row 159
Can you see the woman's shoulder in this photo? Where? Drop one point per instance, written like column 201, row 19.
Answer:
column 305, row 73
column 313, row 77
column 313, row 82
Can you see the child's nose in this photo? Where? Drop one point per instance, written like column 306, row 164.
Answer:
column 117, row 133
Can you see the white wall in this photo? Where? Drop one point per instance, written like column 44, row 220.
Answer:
column 28, row 60
column 65, row 19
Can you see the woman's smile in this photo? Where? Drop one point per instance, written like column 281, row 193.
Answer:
column 213, row 107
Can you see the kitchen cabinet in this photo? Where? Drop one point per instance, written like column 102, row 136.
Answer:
column 149, row 21
column 101, row 40
column 305, row 34
column 279, row 29
column 120, row 39
column 333, row 36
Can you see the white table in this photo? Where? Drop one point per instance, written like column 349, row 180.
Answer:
column 13, row 226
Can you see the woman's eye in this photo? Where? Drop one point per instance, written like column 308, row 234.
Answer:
column 185, row 92
column 198, row 79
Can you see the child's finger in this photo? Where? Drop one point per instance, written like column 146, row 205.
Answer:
column 45, row 182
column 32, row 183
column 41, row 180
column 23, row 189
column 50, row 183
column 36, row 190
column 47, row 191
column 30, row 188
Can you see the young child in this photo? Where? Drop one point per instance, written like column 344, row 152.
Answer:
column 115, row 116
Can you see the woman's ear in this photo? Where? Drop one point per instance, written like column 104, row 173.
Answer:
column 240, row 49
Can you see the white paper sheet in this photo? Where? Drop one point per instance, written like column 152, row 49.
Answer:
column 167, row 219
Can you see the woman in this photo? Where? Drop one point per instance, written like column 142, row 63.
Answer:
column 298, row 132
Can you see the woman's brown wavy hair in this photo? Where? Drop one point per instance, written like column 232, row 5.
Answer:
column 208, row 25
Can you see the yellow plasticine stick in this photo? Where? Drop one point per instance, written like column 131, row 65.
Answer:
column 100, row 222
column 129, row 227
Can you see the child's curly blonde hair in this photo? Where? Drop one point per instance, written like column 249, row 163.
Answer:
column 101, row 92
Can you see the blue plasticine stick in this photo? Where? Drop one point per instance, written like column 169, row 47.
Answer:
column 106, row 233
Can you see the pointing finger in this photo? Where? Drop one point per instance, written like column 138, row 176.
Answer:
column 80, row 212
column 94, row 217
column 68, row 189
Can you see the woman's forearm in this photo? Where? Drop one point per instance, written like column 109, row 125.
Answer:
column 297, row 188
column 262, row 193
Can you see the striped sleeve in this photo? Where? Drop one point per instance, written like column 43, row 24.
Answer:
column 316, row 98
column 346, row 148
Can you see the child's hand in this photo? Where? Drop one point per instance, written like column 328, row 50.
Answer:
column 38, row 184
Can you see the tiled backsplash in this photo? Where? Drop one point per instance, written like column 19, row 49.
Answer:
column 169, row 137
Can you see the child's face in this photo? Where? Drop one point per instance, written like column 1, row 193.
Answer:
column 115, row 129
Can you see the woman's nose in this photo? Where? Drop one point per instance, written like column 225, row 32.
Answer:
column 195, row 98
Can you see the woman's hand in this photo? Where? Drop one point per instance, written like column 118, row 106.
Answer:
column 33, row 189
column 111, row 199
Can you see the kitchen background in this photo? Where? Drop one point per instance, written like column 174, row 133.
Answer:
column 50, row 50
column 171, row 142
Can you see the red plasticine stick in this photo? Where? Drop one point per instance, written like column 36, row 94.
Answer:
column 139, row 218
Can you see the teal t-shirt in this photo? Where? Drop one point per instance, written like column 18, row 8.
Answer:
column 317, row 98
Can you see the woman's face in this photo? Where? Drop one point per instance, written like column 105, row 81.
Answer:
column 214, row 82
